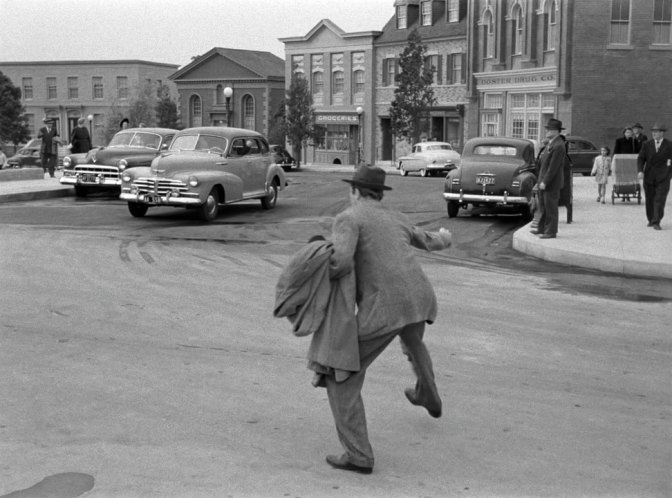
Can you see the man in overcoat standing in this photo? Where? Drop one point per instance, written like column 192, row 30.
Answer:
column 49, row 148
column 552, row 164
column 654, row 166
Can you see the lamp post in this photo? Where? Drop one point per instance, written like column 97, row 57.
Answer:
column 228, row 92
column 360, row 111
column 90, row 118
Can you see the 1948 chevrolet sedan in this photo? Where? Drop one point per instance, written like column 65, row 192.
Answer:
column 204, row 168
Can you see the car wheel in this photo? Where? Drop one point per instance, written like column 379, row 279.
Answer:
column 453, row 208
column 210, row 208
column 402, row 171
column 81, row 191
column 269, row 201
column 137, row 209
column 423, row 172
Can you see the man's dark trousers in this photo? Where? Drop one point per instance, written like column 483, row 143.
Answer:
column 548, row 208
column 655, row 197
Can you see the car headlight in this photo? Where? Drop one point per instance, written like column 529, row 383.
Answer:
column 193, row 181
column 126, row 178
column 67, row 162
column 123, row 164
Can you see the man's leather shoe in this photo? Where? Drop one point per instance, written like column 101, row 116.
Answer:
column 342, row 463
column 547, row 236
column 410, row 396
column 649, row 224
column 656, row 226
column 535, row 232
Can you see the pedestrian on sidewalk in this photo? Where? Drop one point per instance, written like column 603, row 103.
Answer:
column 601, row 170
column 638, row 137
column 553, row 162
column 49, row 147
column 80, row 140
column 394, row 298
column 654, row 167
column 626, row 143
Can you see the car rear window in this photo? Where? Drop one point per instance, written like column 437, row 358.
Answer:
column 440, row 147
column 494, row 150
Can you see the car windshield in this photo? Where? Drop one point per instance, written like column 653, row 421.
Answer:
column 494, row 150
column 143, row 140
column 439, row 147
column 205, row 143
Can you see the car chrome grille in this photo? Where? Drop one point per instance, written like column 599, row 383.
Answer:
column 92, row 169
column 161, row 186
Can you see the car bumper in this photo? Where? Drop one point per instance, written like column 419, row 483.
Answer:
column 505, row 199
column 160, row 200
column 99, row 181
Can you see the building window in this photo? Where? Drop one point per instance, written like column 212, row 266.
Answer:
column 122, row 87
column 196, row 111
column 30, row 123
column 97, row 82
column 318, row 82
column 389, row 71
column 527, row 112
column 51, row 89
column 248, row 112
column 73, row 87
column 402, row 19
column 453, row 10
column 337, row 138
column 297, row 64
column 550, row 24
column 456, row 74
column 493, row 101
column 517, row 26
column 27, row 84
column 337, row 82
column 434, row 62
column 662, row 20
column 358, row 82
column 426, row 13
column 620, row 22
column 219, row 95
column 490, row 124
column 489, row 34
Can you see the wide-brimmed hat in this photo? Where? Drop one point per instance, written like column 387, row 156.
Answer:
column 554, row 124
column 638, row 125
column 371, row 177
column 48, row 121
column 659, row 127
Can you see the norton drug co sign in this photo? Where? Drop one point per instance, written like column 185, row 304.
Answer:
column 492, row 81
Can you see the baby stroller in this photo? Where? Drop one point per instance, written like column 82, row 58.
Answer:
column 626, row 186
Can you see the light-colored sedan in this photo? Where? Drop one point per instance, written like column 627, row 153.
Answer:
column 204, row 168
column 428, row 158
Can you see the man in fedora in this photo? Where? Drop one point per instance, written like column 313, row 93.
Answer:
column 638, row 137
column 552, row 164
column 49, row 147
column 394, row 298
column 654, row 166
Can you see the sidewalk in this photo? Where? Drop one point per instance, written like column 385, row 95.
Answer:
column 607, row 237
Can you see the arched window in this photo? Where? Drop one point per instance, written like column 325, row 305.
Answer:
column 517, row 26
column 318, row 82
column 488, row 34
column 550, row 24
column 219, row 95
column 248, row 112
column 196, row 111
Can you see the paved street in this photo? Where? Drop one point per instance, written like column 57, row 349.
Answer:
column 148, row 359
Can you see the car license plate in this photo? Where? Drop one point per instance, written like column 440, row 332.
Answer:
column 485, row 179
column 88, row 178
column 154, row 199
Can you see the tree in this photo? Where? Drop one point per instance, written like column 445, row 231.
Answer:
column 142, row 109
column 166, row 109
column 414, row 94
column 299, row 124
column 13, row 125
column 276, row 129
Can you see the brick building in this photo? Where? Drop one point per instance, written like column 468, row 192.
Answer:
column 595, row 65
column 442, row 25
column 67, row 90
column 256, row 81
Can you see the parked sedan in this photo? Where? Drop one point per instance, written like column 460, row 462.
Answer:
column 493, row 171
column 100, row 168
column 582, row 152
column 29, row 155
column 282, row 158
column 204, row 168
column 428, row 158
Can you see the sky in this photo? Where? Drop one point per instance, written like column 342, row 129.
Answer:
column 169, row 31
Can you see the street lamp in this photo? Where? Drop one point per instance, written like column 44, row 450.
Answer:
column 360, row 111
column 90, row 118
column 228, row 91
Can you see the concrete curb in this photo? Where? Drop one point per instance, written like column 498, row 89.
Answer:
column 18, row 174
column 37, row 195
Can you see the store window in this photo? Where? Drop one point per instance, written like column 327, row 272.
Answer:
column 337, row 138
column 662, row 22
column 619, row 33
column 526, row 113
column 490, row 124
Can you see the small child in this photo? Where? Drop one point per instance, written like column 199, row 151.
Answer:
column 601, row 170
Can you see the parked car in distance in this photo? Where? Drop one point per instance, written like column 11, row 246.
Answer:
column 204, row 168
column 282, row 158
column 428, row 158
column 29, row 155
column 493, row 171
column 582, row 153
column 99, row 168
